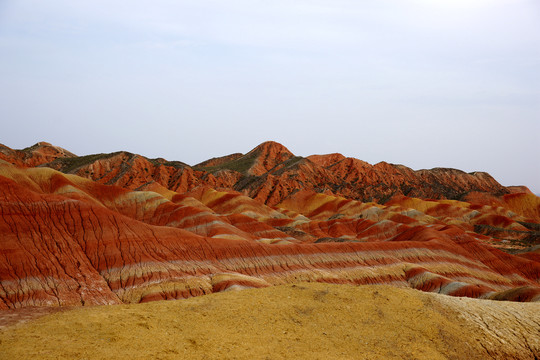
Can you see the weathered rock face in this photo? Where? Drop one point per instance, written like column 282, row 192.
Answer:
column 220, row 160
column 67, row 240
column 270, row 173
column 40, row 153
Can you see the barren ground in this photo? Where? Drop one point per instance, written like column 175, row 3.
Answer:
column 306, row 321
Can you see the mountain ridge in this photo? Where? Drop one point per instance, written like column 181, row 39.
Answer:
column 270, row 172
column 135, row 230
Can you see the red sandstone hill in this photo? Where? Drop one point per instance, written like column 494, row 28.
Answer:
column 130, row 229
column 35, row 155
column 269, row 173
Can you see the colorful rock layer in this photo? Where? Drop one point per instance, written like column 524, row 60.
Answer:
column 70, row 240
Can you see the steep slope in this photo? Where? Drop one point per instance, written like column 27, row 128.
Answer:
column 35, row 155
column 67, row 240
column 270, row 173
column 217, row 161
column 348, row 177
column 128, row 170
column 258, row 161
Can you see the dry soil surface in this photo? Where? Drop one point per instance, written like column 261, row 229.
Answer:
column 306, row 321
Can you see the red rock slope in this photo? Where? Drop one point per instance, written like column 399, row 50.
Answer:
column 67, row 240
column 35, row 155
column 270, row 173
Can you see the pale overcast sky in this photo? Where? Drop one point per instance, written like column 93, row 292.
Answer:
column 424, row 83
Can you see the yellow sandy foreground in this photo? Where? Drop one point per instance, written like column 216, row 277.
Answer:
column 306, row 321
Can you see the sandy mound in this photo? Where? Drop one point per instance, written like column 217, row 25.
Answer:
column 307, row 321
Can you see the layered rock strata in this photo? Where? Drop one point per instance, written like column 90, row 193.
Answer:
column 67, row 240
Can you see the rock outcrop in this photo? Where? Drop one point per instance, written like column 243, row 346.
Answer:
column 38, row 154
column 68, row 240
column 269, row 173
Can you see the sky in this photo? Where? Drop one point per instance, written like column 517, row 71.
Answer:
column 423, row 83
